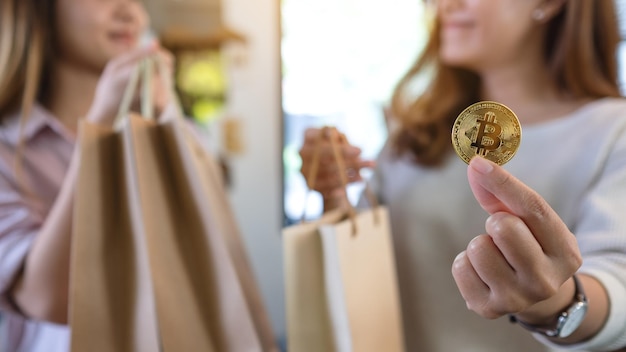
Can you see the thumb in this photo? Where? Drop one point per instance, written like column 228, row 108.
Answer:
column 493, row 187
column 498, row 191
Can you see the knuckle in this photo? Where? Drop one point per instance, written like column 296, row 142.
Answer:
column 488, row 312
column 477, row 245
column 574, row 259
column 499, row 225
column 578, row 261
column 484, row 306
column 541, row 289
column 537, row 208
column 459, row 268
column 573, row 263
column 311, row 132
column 509, row 303
column 504, row 180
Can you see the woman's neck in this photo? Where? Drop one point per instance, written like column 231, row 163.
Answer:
column 71, row 92
column 527, row 87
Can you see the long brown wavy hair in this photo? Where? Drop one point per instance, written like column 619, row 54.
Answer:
column 581, row 49
column 26, row 49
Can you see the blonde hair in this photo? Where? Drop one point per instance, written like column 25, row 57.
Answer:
column 25, row 51
column 581, row 48
column 25, row 47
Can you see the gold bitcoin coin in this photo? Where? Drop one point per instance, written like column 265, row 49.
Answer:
column 487, row 129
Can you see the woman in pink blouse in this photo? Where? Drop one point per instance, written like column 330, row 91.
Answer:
column 60, row 61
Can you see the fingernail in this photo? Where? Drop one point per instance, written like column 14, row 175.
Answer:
column 481, row 165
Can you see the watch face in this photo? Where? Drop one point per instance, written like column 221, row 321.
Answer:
column 573, row 319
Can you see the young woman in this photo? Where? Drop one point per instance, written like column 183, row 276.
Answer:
column 60, row 61
column 518, row 237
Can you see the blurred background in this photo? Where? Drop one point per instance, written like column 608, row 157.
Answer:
column 256, row 73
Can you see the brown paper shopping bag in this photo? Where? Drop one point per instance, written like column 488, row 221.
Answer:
column 341, row 285
column 200, row 292
column 361, row 285
column 189, row 258
column 219, row 205
column 111, row 296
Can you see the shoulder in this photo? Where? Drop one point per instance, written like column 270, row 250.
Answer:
column 609, row 102
column 15, row 127
column 611, row 108
column 20, row 138
column 610, row 111
column 603, row 120
column 606, row 122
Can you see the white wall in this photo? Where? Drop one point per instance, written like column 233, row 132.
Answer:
column 254, row 98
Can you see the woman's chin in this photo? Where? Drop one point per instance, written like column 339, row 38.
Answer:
column 120, row 47
column 456, row 59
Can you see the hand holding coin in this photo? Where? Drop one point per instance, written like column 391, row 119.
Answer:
column 487, row 129
column 524, row 261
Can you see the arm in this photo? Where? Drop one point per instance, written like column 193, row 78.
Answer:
column 41, row 291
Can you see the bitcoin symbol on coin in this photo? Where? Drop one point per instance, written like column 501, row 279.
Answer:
column 488, row 137
column 488, row 129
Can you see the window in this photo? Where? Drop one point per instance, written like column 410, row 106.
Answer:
column 341, row 60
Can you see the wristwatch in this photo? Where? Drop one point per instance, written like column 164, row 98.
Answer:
column 567, row 322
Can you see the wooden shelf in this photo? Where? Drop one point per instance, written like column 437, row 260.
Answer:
column 177, row 39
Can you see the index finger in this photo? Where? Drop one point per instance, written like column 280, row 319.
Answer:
column 498, row 191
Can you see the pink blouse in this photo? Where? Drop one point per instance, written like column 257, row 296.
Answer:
column 27, row 192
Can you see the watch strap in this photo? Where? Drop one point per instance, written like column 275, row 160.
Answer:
column 579, row 296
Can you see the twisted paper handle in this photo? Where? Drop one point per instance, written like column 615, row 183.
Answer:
column 145, row 72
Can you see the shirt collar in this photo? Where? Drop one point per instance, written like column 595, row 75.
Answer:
column 39, row 119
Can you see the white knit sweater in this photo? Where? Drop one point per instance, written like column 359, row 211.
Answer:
column 577, row 163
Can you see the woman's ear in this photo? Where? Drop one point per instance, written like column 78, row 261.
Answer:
column 548, row 9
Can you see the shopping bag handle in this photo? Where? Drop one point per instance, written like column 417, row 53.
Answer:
column 129, row 93
column 312, row 179
column 145, row 71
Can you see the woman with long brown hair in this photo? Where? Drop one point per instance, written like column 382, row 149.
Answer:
column 539, row 244
column 60, row 61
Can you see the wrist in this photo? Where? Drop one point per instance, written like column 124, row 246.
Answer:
column 571, row 318
column 547, row 312
column 334, row 199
